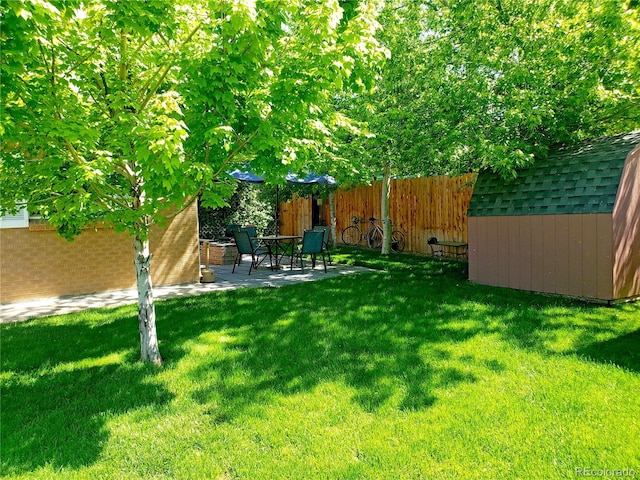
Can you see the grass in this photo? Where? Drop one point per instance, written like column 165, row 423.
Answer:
column 407, row 372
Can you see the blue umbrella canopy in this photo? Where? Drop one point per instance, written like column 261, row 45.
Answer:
column 244, row 176
column 323, row 179
column 311, row 178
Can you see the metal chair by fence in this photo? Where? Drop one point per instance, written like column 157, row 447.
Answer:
column 325, row 239
column 253, row 233
column 436, row 249
column 311, row 245
column 228, row 232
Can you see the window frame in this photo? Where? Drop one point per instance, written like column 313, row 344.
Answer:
column 18, row 220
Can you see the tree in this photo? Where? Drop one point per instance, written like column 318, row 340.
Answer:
column 494, row 83
column 126, row 112
column 525, row 76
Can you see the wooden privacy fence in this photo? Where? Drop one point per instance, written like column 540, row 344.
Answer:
column 420, row 207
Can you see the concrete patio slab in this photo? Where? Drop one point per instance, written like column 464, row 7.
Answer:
column 225, row 280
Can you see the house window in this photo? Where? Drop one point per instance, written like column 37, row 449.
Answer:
column 18, row 220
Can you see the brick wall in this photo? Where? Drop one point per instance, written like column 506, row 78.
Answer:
column 37, row 262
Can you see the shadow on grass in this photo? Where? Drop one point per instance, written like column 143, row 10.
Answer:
column 61, row 383
column 384, row 343
column 282, row 342
column 623, row 351
column 69, row 338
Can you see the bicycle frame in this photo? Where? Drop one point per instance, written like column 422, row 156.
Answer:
column 374, row 234
column 352, row 235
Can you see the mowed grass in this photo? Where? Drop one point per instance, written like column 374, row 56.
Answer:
column 406, row 372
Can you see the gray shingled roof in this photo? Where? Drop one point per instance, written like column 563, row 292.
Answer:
column 583, row 179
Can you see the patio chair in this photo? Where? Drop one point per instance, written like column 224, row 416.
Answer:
column 228, row 232
column 436, row 249
column 246, row 247
column 253, row 233
column 312, row 246
column 251, row 230
column 325, row 240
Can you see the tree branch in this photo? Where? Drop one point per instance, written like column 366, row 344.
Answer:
column 125, row 170
column 167, row 68
column 81, row 60
column 185, row 205
column 245, row 142
column 102, row 197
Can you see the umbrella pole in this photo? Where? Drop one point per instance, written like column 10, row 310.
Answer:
column 277, row 213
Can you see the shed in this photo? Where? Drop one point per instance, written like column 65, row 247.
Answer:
column 569, row 224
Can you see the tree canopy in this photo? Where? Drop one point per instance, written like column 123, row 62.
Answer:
column 492, row 83
column 101, row 96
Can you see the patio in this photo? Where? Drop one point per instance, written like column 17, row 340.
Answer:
column 225, row 280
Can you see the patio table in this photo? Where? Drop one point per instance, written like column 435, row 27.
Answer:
column 457, row 249
column 280, row 245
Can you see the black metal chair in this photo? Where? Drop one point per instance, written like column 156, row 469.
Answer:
column 325, row 239
column 436, row 249
column 312, row 246
column 245, row 246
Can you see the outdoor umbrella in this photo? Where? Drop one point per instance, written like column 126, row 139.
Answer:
column 311, row 178
column 250, row 177
column 323, row 179
column 247, row 177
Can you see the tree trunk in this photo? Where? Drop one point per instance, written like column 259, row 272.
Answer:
column 384, row 211
column 149, row 351
column 332, row 209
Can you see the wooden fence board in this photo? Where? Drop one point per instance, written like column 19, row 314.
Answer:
column 420, row 207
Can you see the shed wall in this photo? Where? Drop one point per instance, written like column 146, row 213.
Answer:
column 563, row 254
column 626, row 230
column 36, row 262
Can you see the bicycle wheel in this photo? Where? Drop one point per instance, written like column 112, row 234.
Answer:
column 397, row 241
column 374, row 238
column 351, row 236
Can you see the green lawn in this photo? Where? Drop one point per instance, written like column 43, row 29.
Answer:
column 406, row 372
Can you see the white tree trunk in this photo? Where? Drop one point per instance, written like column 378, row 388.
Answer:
column 149, row 351
column 332, row 208
column 384, row 211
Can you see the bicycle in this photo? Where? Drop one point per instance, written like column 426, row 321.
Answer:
column 352, row 235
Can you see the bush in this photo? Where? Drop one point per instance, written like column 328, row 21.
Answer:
column 249, row 205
